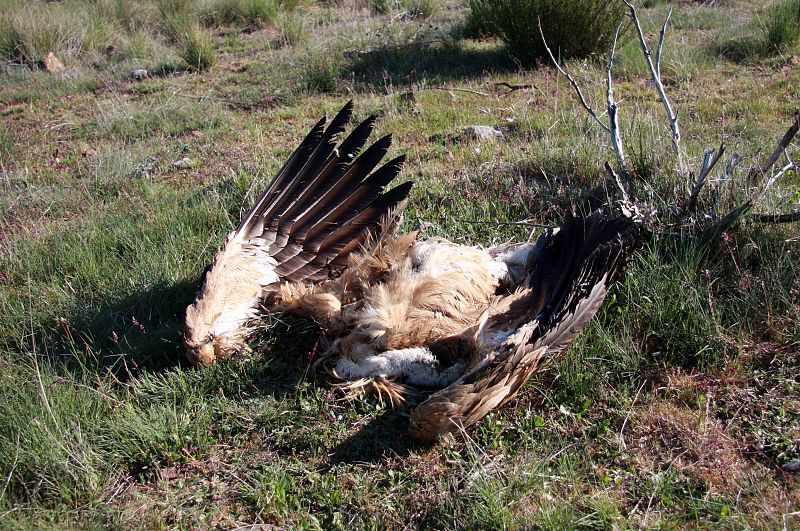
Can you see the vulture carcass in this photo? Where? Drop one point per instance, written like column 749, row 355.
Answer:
column 399, row 312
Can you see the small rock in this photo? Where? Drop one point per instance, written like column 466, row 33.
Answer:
column 196, row 134
column 482, row 133
column 52, row 64
column 140, row 74
column 792, row 466
column 184, row 164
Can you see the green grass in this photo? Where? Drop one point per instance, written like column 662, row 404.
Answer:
column 774, row 32
column 677, row 407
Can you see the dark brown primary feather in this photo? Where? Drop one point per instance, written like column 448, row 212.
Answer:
column 326, row 200
column 567, row 282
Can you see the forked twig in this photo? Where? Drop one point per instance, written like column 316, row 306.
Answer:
column 710, row 159
column 757, row 174
column 655, row 73
column 613, row 116
column 574, row 83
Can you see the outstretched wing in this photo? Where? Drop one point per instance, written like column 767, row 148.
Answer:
column 326, row 200
column 565, row 286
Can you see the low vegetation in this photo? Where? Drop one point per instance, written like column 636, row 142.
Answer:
column 677, row 407
column 774, row 31
column 574, row 28
column 783, row 25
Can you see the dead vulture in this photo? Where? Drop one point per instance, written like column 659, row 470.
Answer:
column 399, row 312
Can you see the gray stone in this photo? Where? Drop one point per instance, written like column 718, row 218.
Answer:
column 482, row 133
column 184, row 164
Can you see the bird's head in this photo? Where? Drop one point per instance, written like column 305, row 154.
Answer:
column 218, row 321
column 210, row 337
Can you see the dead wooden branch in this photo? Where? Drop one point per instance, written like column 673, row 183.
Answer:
column 655, row 73
column 629, row 207
column 710, row 159
column 777, row 218
column 613, row 116
column 756, row 174
column 459, row 89
column 572, row 81
column 661, row 36
column 513, row 88
column 792, row 165
column 613, row 110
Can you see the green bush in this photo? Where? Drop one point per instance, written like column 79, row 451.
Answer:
column 782, row 28
column 573, row 28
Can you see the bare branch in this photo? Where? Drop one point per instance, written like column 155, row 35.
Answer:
column 655, row 74
column 572, row 82
column 618, row 180
column 630, row 208
column 756, row 174
column 728, row 171
column 777, row 218
column 512, row 88
column 459, row 89
column 710, row 159
column 613, row 114
column 791, row 166
column 661, row 36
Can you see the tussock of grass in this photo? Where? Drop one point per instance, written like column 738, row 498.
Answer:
column 28, row 32
column 783, row 25
column 775, row 31
column 74, row 30
column 197, row 49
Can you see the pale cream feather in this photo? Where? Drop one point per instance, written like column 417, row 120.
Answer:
column 400, row 294
column 216, row 321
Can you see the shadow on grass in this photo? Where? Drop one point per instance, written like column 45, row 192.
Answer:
column 743, row 49
column 141, row 332
column 384, row 436
column 435, row 60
